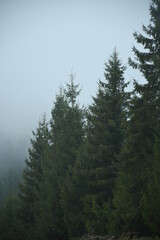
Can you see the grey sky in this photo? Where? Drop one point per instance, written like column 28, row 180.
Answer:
column 40, row 42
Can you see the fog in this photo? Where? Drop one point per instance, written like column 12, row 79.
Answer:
column 41, row 41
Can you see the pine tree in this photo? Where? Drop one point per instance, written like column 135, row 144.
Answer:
column 49, row 218
column 151, row 198
column 104, row 141
column 148, row 61
column 32, row 176
column 66, row 128
column 72, row 195
column 67, row 135
column 138, row 151
column 59, row 134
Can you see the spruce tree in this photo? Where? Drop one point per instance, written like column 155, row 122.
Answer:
column 131, row 181
column 105, row 133
column 32, row 176
column 151, row 197
column 67, row 135
column 138, row 151
column 72, row 195
column 148, row 61
column 66, row 129
column 49, row 221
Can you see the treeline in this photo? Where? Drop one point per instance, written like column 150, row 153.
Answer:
column 95, row 170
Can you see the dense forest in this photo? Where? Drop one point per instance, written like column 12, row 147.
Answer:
column 95, row 170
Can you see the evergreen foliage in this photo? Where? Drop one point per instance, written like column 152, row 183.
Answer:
column 104, row 140
column 95, row 170
column 131, row 181
column 32, row 177
column 67, row 136
column 138, row 151
column 151, row 198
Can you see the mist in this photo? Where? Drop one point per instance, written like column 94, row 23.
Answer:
column 41, row 41
column 90, row 167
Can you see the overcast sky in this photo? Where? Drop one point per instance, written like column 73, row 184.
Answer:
column 42, row 40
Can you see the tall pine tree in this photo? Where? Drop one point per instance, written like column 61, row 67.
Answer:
column 67, row 136
column 138, row 151
column 32, row 177
column 105, row 133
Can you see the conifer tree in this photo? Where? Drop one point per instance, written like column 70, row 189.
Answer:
column 32, row 176
column 131, row 182
column 72, row 195
column 66, row 128
column 138, row 151
column 105, row 132
column 67, row 135
column 148, row 61
column 49, row 218
column 151, row 198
